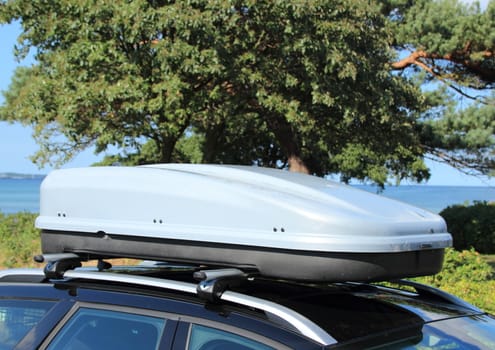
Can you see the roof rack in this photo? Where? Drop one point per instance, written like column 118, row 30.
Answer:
column 422, row 290
column 300, row 323
column 213, row 286
column 431, row 292
column 22, row 275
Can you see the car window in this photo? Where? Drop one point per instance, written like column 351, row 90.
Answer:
column 206, row 338
column 110, row 330
column 18, row 317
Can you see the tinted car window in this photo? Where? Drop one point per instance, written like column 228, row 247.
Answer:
column 206, row 338
column 17, row 317
column 104, row 329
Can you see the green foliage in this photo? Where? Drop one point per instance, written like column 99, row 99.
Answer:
column 456, row 36
column 452, row 43
column 271, row 82
column 467, row 275
column 466, row 265
column 187, row 150
column 261, row 82
column 19, row 240
column 462, row 138
column 472, row 226
column 479, row 294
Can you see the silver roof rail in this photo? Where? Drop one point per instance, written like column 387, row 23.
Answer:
column 21, row 274
column 138, row 280
column 425, row 290
column 300, row 323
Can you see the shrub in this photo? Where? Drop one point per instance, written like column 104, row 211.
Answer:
column 467, row 275
column 467, row 265
column 472, row 226
column 19, row 240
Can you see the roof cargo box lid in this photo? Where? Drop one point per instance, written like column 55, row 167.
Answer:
column 234, row 205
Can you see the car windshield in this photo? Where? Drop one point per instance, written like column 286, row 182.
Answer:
column 477, row 332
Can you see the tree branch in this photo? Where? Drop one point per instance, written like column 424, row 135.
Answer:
column 459, row 57
column 417, row 58
column 463, row 165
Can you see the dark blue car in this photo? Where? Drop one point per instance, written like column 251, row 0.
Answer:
column 149, row 307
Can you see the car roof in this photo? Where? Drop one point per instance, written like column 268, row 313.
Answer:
column 325, row 313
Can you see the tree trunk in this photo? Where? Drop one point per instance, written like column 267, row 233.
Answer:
column 166, row 143
column 297, row 165
column 287, row 140
column 212, row 141
column 166, row 146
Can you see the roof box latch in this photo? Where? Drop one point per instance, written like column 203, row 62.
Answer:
column 214, row 282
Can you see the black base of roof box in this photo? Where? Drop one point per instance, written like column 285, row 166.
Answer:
column 276, row 263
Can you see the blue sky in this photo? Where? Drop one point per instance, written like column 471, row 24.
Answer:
column 17, row 144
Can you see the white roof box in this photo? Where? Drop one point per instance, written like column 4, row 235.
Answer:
column 284, row 224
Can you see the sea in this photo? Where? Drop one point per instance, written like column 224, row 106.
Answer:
column 23, row 195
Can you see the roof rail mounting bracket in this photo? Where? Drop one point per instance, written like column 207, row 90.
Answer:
column 214, row 282
column 56, row 269
column 57, row 264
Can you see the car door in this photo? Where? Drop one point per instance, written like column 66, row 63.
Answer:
column 204, row 334
column 91, row 326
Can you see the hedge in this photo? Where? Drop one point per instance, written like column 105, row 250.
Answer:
column 472, row 226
